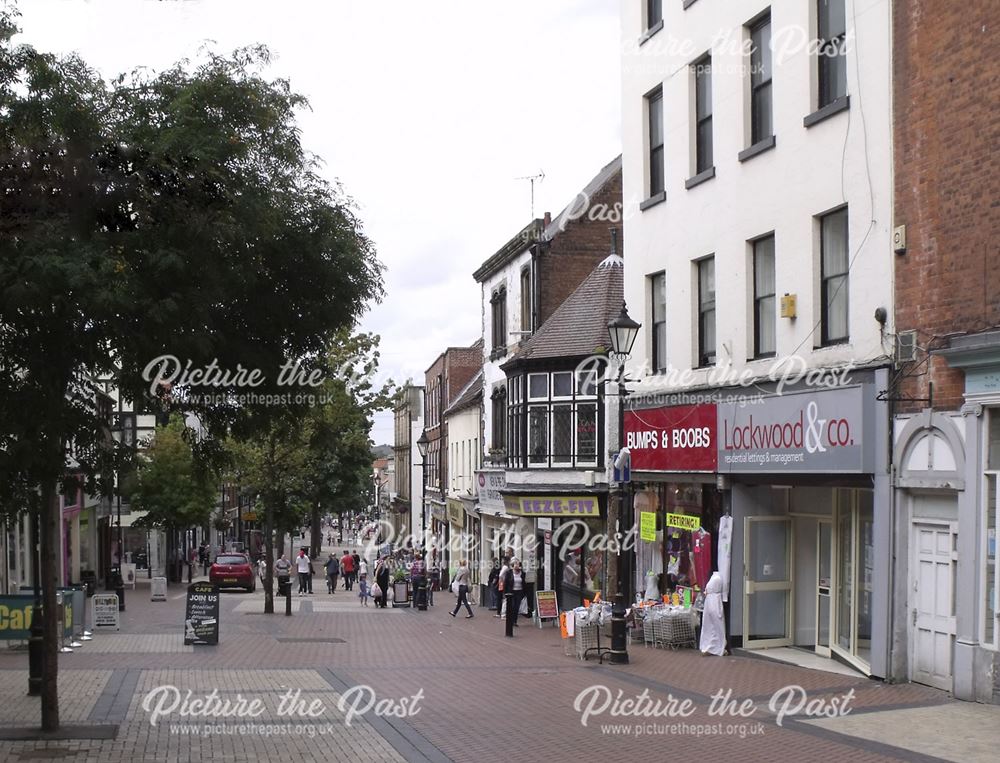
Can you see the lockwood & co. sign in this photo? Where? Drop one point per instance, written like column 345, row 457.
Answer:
column 798, row 432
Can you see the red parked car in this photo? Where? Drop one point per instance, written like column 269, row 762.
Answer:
column 233, row 571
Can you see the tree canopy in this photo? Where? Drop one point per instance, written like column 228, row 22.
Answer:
column 168, row 214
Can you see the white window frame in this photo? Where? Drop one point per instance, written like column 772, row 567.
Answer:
column 984, row 544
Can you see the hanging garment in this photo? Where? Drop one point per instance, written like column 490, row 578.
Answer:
column 702, row 542
column 713, row 623
column 652, row 587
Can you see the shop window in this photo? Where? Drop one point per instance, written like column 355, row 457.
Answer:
column 558, row 422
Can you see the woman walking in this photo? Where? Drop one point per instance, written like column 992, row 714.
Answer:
column 462, row 581
column 382, row 579
column 513, row 589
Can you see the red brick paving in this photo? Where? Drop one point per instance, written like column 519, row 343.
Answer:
column 489, row 695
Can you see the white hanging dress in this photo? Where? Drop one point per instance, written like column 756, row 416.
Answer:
column 713, row 622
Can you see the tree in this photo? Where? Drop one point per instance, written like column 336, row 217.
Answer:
column 174, row 214
column 170, row 484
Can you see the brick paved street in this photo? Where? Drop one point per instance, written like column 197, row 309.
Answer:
column 482, row 694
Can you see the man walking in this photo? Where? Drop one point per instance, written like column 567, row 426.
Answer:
column 332, row 571
column 347, row 569
column 302, row 567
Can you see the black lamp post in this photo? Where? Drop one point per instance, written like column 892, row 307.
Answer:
column 622, row 332
column 422, row 444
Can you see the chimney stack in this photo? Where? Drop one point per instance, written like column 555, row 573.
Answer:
column 547, row 220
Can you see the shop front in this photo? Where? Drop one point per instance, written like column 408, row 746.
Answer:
column 955, row 539
column 676, row 503
column 811, row 502
column 559, row 538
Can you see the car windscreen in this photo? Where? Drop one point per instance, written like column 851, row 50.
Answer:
column 231, row 560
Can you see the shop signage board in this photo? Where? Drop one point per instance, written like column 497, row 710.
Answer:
column 15, row 616
column 683, row 521
column 647, row 525
column 560, row 505
column 201, row 615
column 489, row 483
column 679, row 438
column 105, row 607
column 546, row 606
column 797, row 432
column 455, row 512
column 158, row 589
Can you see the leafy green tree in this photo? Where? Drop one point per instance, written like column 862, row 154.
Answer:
column 170, row 484
column 171, row 214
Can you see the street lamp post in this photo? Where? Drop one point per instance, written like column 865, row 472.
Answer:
column 622, row 332
column 422, row 444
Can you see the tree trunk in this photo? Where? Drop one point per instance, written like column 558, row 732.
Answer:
column 269, row 556
column 317, row 533
column 49, row 524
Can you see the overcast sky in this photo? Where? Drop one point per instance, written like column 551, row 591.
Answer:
column 426, row 112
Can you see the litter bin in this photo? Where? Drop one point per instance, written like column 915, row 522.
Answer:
column 283, row 585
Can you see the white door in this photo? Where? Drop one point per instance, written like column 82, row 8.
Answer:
column 932, row 604
column 824, row 585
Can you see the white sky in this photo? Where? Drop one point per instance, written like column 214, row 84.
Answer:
column 427, row 112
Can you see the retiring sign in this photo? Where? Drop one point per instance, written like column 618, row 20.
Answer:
column 201, row 616
column 679, row 438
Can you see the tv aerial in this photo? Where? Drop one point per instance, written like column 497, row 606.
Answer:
column 532, row 178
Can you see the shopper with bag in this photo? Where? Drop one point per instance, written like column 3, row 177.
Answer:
column 491, row 586
column 460, row 587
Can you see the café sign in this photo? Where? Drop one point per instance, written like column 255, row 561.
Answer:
column 799, row 432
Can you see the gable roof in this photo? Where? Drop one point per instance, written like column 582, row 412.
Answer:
column 471, row 394
column 579, row 326
column 537, row 230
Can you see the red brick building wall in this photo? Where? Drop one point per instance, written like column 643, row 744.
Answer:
column 577, row 250
column 947, row 181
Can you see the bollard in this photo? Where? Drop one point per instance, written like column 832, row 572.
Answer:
column 511, row 615
column 288, row 598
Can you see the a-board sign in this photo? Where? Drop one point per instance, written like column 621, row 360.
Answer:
column 201, row 615
column 105, row 610
column 158, row 589
column 546, row 605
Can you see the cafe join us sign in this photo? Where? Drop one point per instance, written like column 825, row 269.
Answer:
column 561, row 505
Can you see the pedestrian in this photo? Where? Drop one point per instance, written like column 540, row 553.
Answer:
column 283, row 568
column 501, row 582
column 332, row 571
column 491, row 586
column 302, row 566
column 513, row 590
column 312, row 573
column 382, row 579
column 435, row 578
column 347, row 570
column 461, row 582
column 418, row 576
column 357, row 563
column 363, row 582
